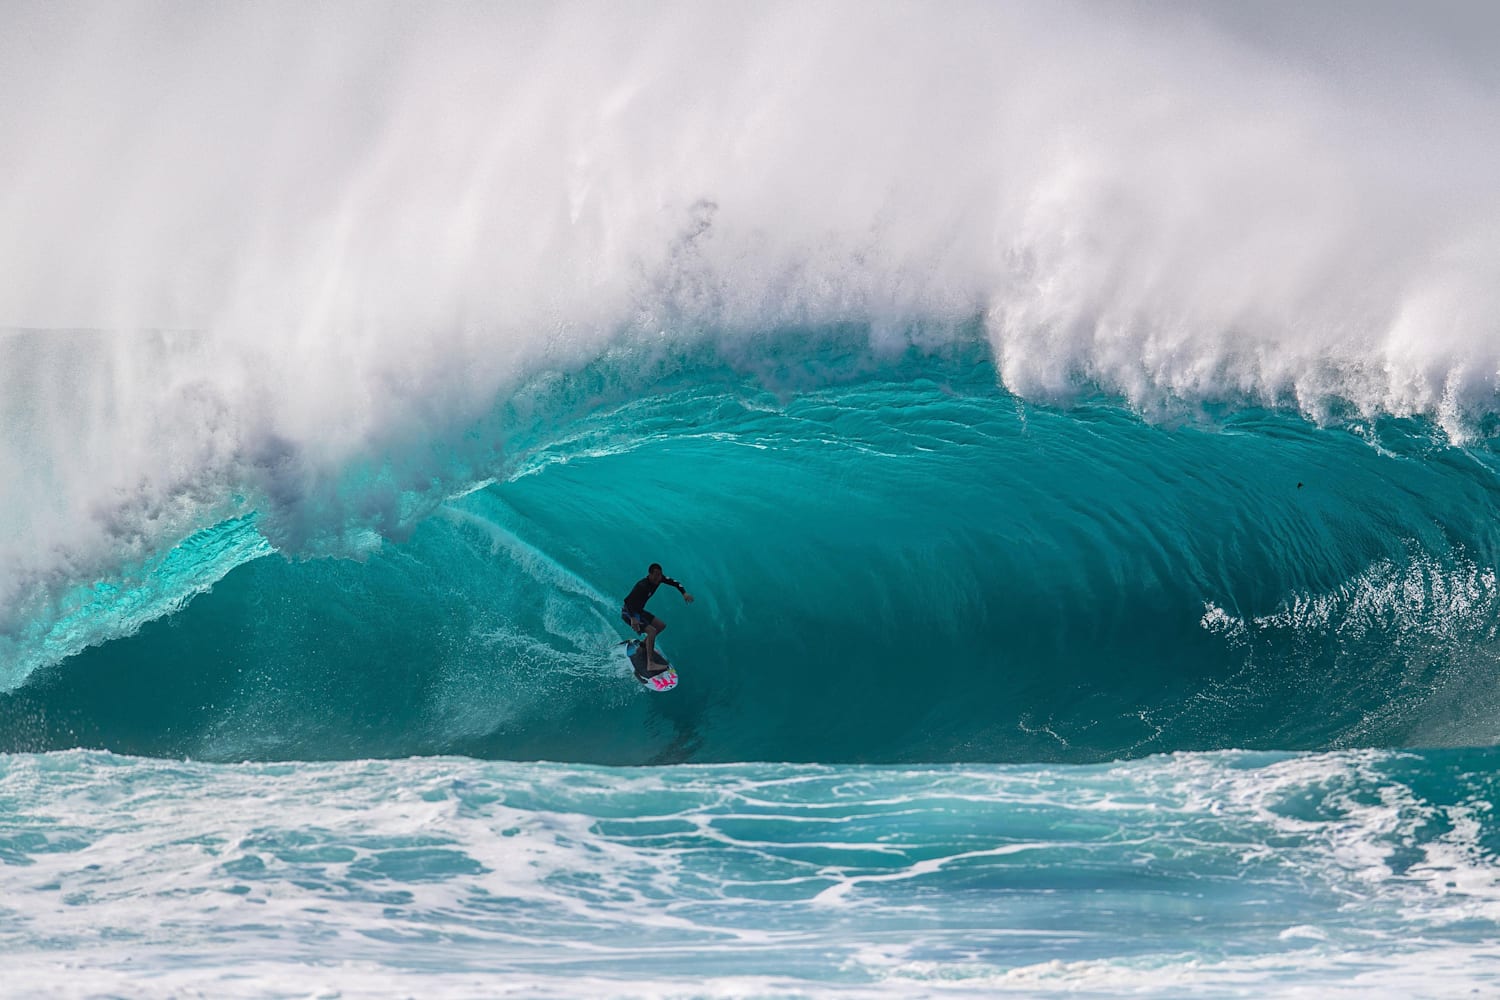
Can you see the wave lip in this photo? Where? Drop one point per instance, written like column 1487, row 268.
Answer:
column 113, row 609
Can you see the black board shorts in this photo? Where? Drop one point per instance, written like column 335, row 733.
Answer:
column 638, row 620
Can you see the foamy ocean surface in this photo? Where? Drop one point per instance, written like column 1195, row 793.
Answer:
column 1077, row 424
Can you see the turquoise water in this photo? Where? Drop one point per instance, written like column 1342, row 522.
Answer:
column 909, row 564
column 1047, row 699
column 1077, row 425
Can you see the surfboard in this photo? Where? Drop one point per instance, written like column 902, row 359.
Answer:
column 664, row 681
column 635, row 652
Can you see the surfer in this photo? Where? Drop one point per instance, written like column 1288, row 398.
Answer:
column 644, row 622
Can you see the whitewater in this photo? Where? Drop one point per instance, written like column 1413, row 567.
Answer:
column 1076, row 423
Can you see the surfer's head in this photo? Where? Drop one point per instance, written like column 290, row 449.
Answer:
column 654, row 573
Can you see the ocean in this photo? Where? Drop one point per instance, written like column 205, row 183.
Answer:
column 1078, row 426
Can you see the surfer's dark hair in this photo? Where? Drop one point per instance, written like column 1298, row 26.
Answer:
column 656, row 567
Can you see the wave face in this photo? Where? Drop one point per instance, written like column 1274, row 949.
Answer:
column 894, row 559
column 355, row 366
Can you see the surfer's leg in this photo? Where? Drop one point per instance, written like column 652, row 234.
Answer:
column 656, row 627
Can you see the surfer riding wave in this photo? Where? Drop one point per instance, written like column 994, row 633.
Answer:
column 644, row 623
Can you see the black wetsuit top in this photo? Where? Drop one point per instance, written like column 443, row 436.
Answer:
column 641, row 593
